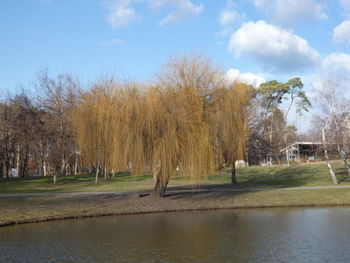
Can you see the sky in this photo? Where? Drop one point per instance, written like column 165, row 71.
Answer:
column 253, row 40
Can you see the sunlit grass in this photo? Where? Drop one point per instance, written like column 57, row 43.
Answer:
column 250, row 177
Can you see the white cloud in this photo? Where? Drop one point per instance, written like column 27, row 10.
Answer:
column 122, row 13
column 182, row 10
column 336, row 62
column 345, row 5
column 228, row 17
column 341, row 34
column 278, row 50
column 249, row 78
column 336, row 67
column 115, row 41
column 286, row 12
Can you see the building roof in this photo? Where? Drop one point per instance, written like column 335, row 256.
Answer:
column 300, row 143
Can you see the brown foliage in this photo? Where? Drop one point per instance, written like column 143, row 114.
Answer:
column 192, row 120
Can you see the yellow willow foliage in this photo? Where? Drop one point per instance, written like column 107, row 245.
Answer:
column 227, row 115
column 182, row 136
column 193, row 120
column 93, row 123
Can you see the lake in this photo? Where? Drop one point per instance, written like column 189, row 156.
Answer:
column 259, row 235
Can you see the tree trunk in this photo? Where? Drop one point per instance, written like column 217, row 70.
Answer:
column 287, row 152
column 76, row 165
column 334, row 178
column 63, row 167
column 105, row 172
column 155, row 171
column 271, row 129
column 18, row 162
column 97, row 170
column 340, row 150
column 233, row 174
column 345, row 162
column 247, row 158
column 161, row 185
column 44, row 168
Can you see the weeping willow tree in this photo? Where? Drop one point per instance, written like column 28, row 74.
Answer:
column 191, row 120
column 224, row 105
column 228, row 124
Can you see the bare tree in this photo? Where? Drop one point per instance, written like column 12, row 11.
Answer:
column 333, row 110
column 57, row 98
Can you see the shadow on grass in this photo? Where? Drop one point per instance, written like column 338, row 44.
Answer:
column 250, row 177
column 274, row 177
column 342, row 175
column 293, row 176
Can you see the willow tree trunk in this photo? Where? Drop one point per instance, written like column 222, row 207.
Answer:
column 331, row 172
column 233, row 174
column 161, row 185
column 105, row 172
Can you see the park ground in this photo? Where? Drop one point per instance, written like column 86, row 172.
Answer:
column 35, row 199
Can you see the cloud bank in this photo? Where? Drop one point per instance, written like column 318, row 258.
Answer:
column 276, row 49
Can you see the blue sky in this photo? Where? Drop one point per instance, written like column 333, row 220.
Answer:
column 268, row 39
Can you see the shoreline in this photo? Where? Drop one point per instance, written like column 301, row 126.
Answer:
column 35, row 209
column 42, row 220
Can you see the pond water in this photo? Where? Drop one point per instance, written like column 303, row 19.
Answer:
column 259, row 235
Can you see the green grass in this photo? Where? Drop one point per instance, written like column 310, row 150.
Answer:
column 292, row 176
column 81, row 183
column 250, row 177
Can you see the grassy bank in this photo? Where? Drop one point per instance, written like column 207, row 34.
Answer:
column 42, row 208
column 21, row 209
column 250, row 177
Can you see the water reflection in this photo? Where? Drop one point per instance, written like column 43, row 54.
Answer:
column 262, row 235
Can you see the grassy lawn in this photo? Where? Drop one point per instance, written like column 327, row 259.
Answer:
column 250, row 177
column 292, row 176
